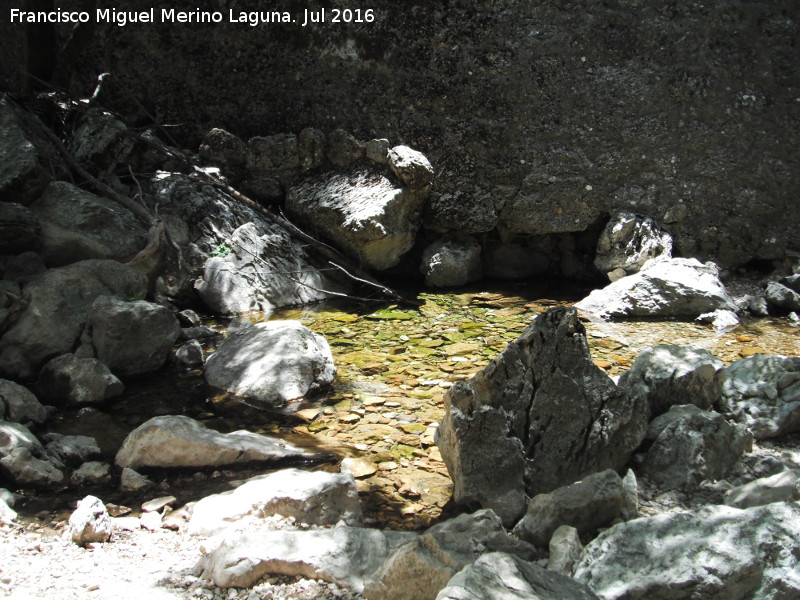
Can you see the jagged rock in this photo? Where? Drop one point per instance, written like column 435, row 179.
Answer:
column 420, row 568
column 565, row 549
column 515, row 261
column 57, row 304
column 586, row 505
column 131, row 337
column 763, row 393
column 190, row 355
column 22, row 178
column 71, row 450
column 781, row 487
column 451, row 262
column 23, row 458
column 90, row 523
column 342, row 149
column 378, row 151
column 77, row 225
column 248, row 273
column 362, row 212
column 312, row 497
column 499, row 576
column 343, row 555
column 18, row 404
column 131, row 481
column 714, row 552
column 669, row 374
column 255, row 267
column 782, row 297
column 271, row 363
column 541, row 415
column 19, row 229
column 80, row 381
column 311, row 147
column 411, row 167
column 178, row 441
column 664, row 287
column 91, row 473
column 629, row 241
column 222, row 147
column 100, row 139
column 693, row 447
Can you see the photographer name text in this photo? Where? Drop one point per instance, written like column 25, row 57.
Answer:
column 122, row 18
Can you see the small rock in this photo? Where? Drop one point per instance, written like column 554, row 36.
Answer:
column 90, row 522
column 378, row 151
column 411, row 167
column 780, row 487
column 21, row 405
column 71, row 450
column 91, row 473
column 565, row 549
column 190, row 355
column 7, row 514
column 157, row 504
column 131, row 481
column 151, row 521
column 586, row 505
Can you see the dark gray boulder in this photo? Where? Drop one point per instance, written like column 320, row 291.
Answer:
column 19, row 404
column 57, row 305
column 131, row 337
column 451, row 262
column 232, row 255
column 22, row 177
column 80, row 381
column 78, row 225
column 586, row 505
column 541, row 415
column 19, row 229
column 692, row 445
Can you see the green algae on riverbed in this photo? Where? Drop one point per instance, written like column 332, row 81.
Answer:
column 395, row 364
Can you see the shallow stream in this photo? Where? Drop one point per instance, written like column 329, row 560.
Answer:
column 394, row 365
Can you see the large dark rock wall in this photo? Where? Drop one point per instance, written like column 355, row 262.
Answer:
column 541, row 117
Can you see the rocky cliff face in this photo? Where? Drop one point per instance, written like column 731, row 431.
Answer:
column 540, row 117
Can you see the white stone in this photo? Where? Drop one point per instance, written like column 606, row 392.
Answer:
column 271, row 364
column 90, row 522
column 312, row 497
column 665, row 287
column 179, row 441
